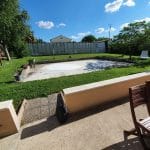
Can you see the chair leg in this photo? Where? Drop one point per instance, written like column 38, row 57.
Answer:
column 141, row 138
column 143, row 142
column 134, row 132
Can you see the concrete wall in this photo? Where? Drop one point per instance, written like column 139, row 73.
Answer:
column 83, row 97
column 9, row 123
column 38, row 49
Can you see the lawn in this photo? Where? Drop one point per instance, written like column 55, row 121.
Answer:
column 18, row 91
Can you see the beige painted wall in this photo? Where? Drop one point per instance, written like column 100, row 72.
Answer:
column 86, row 96
column 9, row 123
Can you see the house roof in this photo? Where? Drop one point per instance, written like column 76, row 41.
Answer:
column 61, row 36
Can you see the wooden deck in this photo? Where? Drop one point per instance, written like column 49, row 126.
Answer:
column 98, row 129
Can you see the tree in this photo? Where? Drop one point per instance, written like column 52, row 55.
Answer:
column 146, row 37
column 102, row 39
column 30, row 38
column 13, row 27
column 8, row 10
column 89, row 38
column 130, row 38
column 19, row 34
column 40, row 41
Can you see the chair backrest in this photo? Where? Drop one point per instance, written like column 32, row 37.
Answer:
column 138, row 96
column 148, row 95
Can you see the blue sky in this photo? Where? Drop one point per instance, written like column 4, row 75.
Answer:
column 77, row 18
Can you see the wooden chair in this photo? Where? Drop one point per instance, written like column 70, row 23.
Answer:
column 140, row 95
column 148, row 95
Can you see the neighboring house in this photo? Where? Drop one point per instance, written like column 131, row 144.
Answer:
column 61, row 38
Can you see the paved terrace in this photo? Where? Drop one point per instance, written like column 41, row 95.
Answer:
column 100, row 128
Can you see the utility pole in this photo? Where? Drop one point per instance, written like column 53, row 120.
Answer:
column 109, row 32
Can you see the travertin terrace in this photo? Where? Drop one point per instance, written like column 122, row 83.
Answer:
column 96, row 129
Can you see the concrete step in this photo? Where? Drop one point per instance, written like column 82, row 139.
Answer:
column 39, row 108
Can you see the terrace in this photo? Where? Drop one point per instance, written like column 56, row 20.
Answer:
column 98, row 128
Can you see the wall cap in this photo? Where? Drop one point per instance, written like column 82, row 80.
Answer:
column 94, row 85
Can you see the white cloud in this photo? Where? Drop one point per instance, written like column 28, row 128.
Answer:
column 45, row 24
column 114, row 6
column 80, row 35
column 112, row 29
column 124, row 25
column 149, row 2
column 100, row 30
column 147, row 19
column 62, row 25
column 117, row 4
column 129, row 3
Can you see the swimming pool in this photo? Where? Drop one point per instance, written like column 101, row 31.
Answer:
column 52, row 70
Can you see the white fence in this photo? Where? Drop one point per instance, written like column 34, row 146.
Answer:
column 66, row 48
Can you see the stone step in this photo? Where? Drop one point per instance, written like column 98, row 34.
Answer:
column 39, row 108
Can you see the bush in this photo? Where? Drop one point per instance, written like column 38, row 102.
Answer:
column 19, row 49
column 89, row 39
column 119, row 48
column 145, row 46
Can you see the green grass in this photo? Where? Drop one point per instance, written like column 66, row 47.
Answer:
column 40, row 88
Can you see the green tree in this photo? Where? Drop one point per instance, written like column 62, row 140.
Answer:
column 130, row 38
column 40, row 41
column 13, row 27
column 8, row 10
column 30, row 38
column 101, row 39
column 89, row 38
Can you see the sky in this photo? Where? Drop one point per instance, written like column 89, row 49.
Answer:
column 78, row 18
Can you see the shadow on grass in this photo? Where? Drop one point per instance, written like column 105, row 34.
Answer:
column 8, row 82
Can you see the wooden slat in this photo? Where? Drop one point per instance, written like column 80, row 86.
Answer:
column 138, row 95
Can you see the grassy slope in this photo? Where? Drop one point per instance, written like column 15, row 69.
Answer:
column 18, row 91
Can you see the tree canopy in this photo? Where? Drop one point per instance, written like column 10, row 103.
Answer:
column 101, row 39
column 132, row 39
column 89, row 38
column 14, row 28
column 92, row 38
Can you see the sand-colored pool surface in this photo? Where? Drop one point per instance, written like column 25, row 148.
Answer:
column 52, row 70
